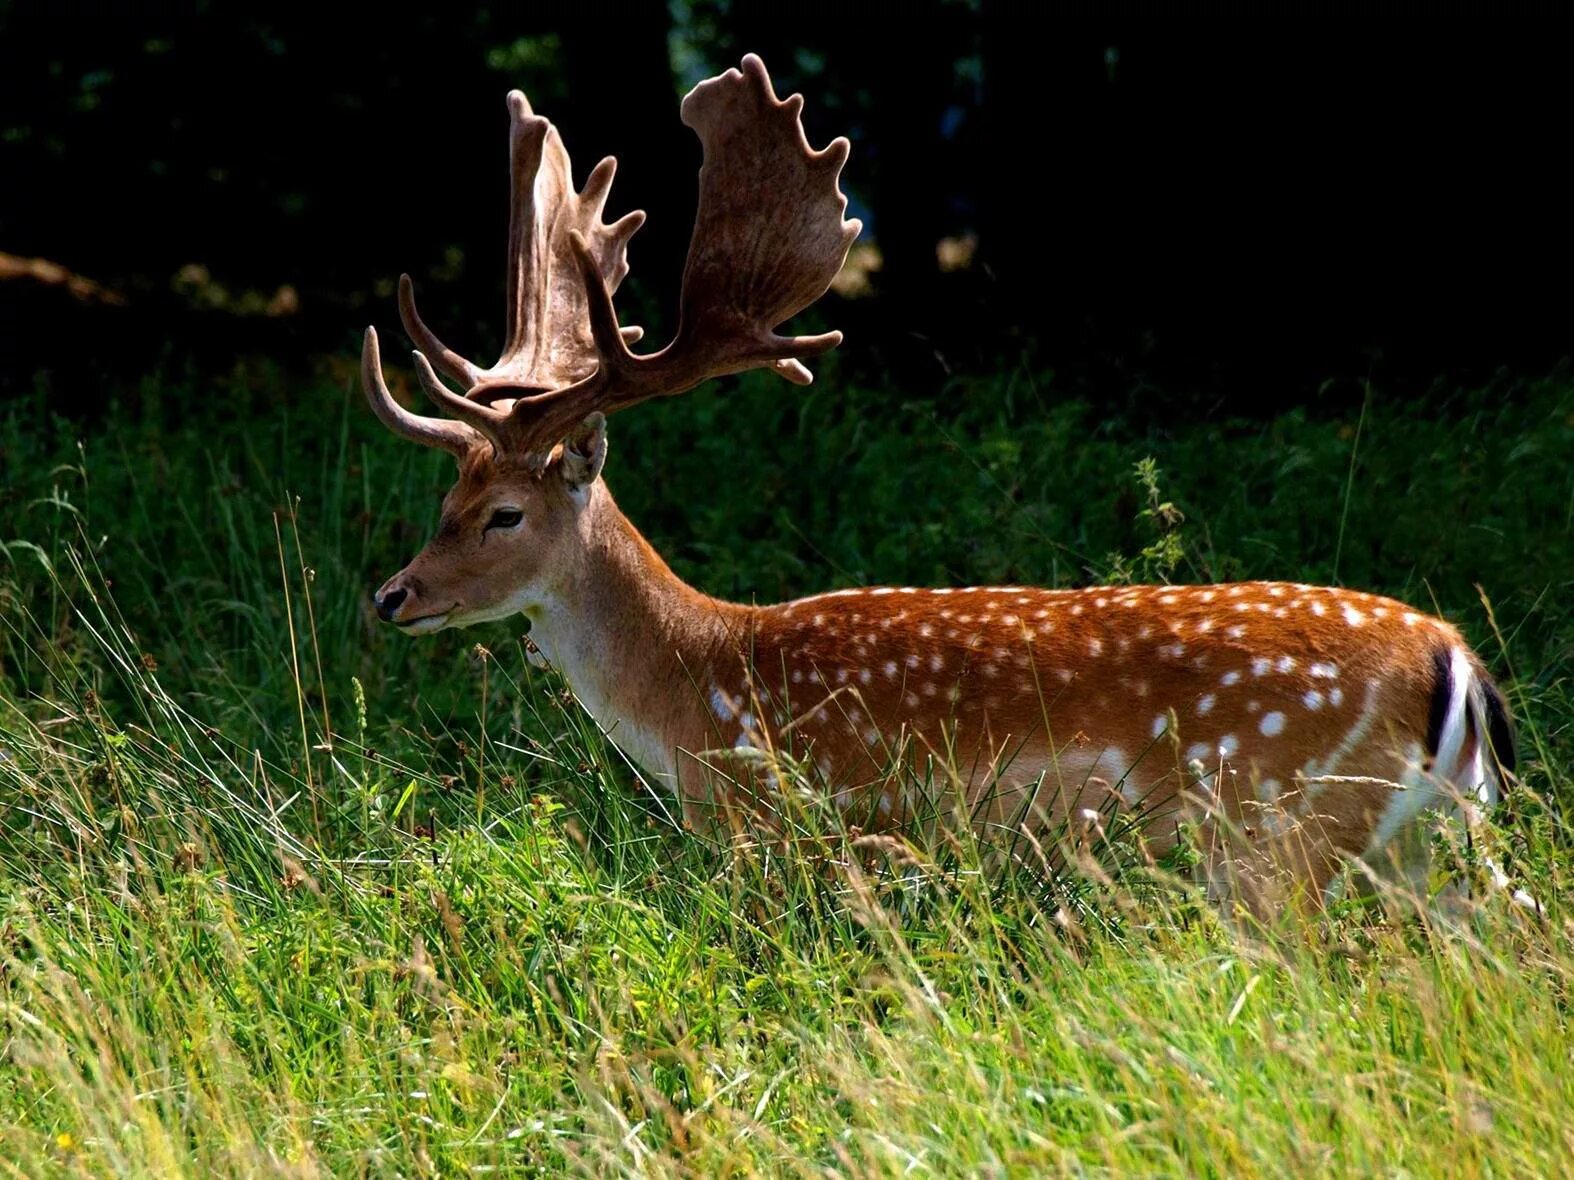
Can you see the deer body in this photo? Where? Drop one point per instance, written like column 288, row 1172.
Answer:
column 1318, row 722
column 1303, row 726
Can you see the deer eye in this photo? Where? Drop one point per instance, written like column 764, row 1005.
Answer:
column 505, row 518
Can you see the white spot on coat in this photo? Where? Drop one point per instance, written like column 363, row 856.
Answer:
column 1272, row 724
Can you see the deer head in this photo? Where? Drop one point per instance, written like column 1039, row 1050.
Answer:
column 529, row 433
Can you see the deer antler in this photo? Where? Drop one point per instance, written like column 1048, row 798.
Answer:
column 548, row 343
column 768, row 239
column 455, row 437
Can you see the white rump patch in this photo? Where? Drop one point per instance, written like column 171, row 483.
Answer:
column 1451, row 738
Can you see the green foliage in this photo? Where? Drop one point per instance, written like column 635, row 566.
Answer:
column 1159, row 558
column 283, row 892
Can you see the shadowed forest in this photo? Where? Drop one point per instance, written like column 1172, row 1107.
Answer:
column 1137, row 300
column 1238, row 212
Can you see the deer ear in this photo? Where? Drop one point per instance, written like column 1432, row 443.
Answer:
column 584, row 451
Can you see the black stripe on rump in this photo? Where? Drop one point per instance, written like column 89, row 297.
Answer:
column 1500, row 728
column 1442, row 692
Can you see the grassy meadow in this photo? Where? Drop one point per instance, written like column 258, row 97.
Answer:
column 283, row 892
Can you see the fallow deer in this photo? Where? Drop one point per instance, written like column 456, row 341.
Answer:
column 1317, row 724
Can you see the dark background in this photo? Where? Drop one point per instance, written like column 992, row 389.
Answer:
column 1238, row 212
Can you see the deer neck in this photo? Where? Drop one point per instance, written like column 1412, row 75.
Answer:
column 640, row 648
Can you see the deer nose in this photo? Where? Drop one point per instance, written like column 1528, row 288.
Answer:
column 389, row 601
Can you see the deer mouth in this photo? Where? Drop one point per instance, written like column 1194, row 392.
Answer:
column 426, row 624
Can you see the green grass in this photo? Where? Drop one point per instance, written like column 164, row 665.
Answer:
column 282, row 892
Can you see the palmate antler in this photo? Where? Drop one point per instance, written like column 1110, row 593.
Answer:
column 768, row 239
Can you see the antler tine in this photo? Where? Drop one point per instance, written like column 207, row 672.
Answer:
column 769, row 237
column 454, row 437
column 454, row 366
column 474, row 414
